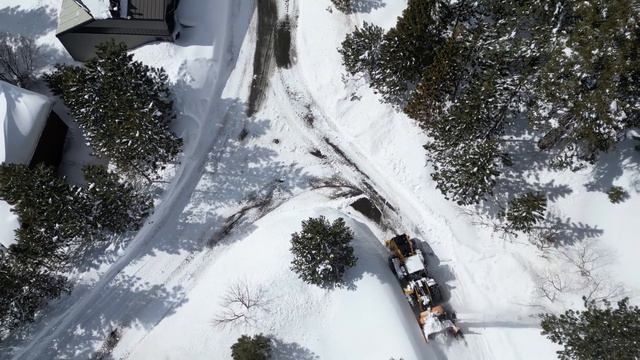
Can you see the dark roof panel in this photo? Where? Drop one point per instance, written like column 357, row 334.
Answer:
column 148, row 9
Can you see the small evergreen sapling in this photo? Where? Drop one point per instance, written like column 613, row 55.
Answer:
column 257, row 347
column 322, row 251
column 524, row 212
column 597, row 332
column 617, row 194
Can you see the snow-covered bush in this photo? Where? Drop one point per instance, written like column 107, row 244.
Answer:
column 322, row 251
column 597, row 332
column 257, row 347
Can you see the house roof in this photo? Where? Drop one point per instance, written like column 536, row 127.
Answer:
column 23, row 116
column 72, row 14
column 99, row 9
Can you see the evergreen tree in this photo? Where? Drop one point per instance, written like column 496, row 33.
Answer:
column 586, row 93
column 257, row 347
column 54, row 216
column 117, row 205
column 409, row 47
column 360, row 50
column 597, row 333
column 25, row 288
column 524, row 212
column 57, row 219
column 322, row 251
column 343, row 5
column 467, row 173
column 123, row 107
column 440, row 83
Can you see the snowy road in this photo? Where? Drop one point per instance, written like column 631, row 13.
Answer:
column 128, row 293
column 265, row 147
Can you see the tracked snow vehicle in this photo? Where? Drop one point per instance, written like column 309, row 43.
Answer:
column 423, row 293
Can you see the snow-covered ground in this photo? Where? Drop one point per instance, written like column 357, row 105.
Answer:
column 245, row 183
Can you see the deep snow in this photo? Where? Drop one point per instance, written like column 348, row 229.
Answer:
column 23, row 116
column 234, row 200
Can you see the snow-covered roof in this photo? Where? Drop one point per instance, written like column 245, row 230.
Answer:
column 99, row 9
column 72, row 14
column 23, row 116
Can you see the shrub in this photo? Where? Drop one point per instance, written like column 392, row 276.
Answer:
column 322, row 252
column 257, row 347
column 617, row 194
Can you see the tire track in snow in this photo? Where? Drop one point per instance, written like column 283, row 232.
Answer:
column 408, row 214
column 175, row 196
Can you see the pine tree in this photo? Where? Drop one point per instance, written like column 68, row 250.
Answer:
column 360, row 50
column 524, row 212
column 123, row 107
column 54, row 216
column 440, row 83
column 586, row 93
column 409, row 47
column 467, row 173
column 602, row 333
column 343, row 5
column 25, row 288
column 117, row 205
column 257, row 347
column 322, row 251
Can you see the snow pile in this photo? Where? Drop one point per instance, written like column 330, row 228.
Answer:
column 99, row 9
column 368, row 319
column 23, row 115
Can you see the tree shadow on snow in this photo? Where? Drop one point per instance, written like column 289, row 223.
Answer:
column 30, row 23
column 119, row 296
column 281, row 350
column 612, row 165
column 523, row 176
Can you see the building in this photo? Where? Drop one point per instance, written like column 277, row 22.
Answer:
column 30, row 133
column 83, row 24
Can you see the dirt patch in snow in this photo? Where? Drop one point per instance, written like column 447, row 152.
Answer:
column 283, row 43
column 263, row 57
column 367, row 208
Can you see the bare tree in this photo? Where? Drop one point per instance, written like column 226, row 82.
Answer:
column 582, row 271
column 241, row 303
column 18, row 55
column 551, row 284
